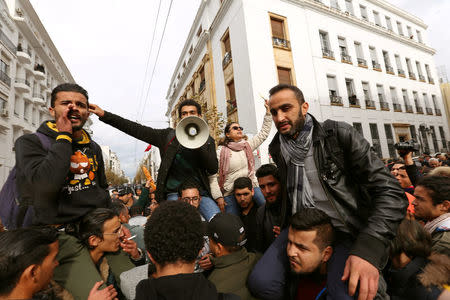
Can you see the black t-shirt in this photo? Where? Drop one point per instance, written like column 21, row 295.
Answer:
column 250, row 227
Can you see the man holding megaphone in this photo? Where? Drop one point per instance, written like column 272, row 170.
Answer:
column 187, row 153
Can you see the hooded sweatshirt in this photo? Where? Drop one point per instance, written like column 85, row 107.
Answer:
column 192, row 286
column 65, row 182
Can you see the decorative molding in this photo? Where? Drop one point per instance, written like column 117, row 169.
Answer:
column 5, row 17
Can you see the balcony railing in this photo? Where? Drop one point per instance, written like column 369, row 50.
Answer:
column 419, row 109
column 397, row 106
column 408, row 108
column 412, row 76
column 401, row 72
column 280, row 42
column 429, row 110
column 376, row 66
column 346, row 58
column 7, row 42
column 327, row 53
column 422, row 78
column 39, row 68
column 384, row 105
column 202, row 86
column 389, row 69
column 21, row 80
column 430, row 80
column 370, row 104
column 226, row 59
column 336, row 100
column 5, row 78
column 438, row 112
column 362, row 62
column 353, row 101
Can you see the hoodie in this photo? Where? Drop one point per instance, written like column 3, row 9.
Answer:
column 65, row 182
column 192, row 286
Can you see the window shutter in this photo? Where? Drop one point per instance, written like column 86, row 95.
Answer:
column 277, row 28
column 284, row 75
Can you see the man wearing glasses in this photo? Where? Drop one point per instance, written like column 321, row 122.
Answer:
column 104, row 251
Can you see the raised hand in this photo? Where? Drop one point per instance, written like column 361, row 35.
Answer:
column 93, row 108
column 63, row 123
column 108, row 293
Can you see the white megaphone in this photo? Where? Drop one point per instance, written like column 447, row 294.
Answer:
column 192, row 132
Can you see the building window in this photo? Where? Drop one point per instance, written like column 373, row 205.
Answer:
column 343, row 49
column 380, row 94
column 325, row 44
column 388, row 23
column 390, row 140
column 375, row 139
column 202, row 79
column 410, row 34
column 284, row 75
column 363, row 11
column 191, row 49
column 387, row 63
column 334, row 4
column 376, row 17
column 277, row 28
column 4, row 71
column 199, row 31
column 409, row 67
column 349, row 7
column 231, row 102
column 352, row 100
column 419, row 72
column 412, row 130
column 226, row 43
column 419, row 36
column 399, row 28
column 358, row 127
column 443, row 139
column 333, row 91
column 424, row 138
column 374, row 58
column 434, row 139
column 398, row 62
column 226, row 48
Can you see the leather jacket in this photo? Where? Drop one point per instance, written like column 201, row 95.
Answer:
column 367, row 198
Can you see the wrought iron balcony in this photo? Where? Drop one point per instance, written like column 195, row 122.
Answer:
column 422, row 78
column 429, row 110
column 226, row 59
column 430, row 80
column 397, row 106
column 5, row 78
column 401, row 72
column 408, row 108
column 327, row 53
column 362, row 62
column 384, row 105
column 412, row 76
column 419, row 109
column 280, row 42
column 376, row 66
column 353, row 101
column 389, row 69
column 370, row 104
column 438, row 112
column 7, row 42
column 336, row 100
column 346, row 58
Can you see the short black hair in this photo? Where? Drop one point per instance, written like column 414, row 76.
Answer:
column 438, row 187
column 21, row 248
column 186, row 185
column 189, row 102
column 310, row 219
column 136, row 211
column 297, row 92
column 243, row 182
column 174, row 233
column 92, row 224
column 266, row 170
column 67, row 87
column 411, row 239
column 117, row 207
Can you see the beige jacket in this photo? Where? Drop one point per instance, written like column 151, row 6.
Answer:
column 238, row 162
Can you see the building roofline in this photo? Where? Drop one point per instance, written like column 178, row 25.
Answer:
column 397, row 10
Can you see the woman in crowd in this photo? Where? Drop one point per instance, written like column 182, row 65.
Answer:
column 235, row 156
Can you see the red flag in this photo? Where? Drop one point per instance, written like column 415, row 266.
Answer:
column 148, row 148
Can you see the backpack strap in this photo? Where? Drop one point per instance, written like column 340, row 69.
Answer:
column 46, row 141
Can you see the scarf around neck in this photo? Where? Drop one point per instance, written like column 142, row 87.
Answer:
column 224, row 163
column 441, row 223
column 294, row 152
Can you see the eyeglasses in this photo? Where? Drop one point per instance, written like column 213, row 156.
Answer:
column 117, row 232
column 190, row 199
column 237, row 128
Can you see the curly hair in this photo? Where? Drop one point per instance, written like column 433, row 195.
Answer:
column 438, row 188
column 411, row 239
column 174, row 233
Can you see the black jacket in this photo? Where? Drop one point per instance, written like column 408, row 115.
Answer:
column 368, row 199
column 182, row 286
column 58, row 192
column 168, row 146
column 267, row 216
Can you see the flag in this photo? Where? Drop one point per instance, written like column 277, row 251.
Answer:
column 148, row 148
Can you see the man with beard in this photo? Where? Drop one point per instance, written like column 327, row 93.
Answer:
column 309, row 248
column 268, row 217
column 331, row 167
column 67, row 180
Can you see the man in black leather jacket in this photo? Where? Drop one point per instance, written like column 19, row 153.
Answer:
column 332, row 167
column 177, row 163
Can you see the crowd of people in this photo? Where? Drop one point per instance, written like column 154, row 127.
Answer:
column 327, row 220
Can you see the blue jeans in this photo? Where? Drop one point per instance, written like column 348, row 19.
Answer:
column 208, row 207
column 268, row 278
column 233, row 208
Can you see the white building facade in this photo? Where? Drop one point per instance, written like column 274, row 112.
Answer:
column 30, row 67
column 111, row 161
column 365, row 62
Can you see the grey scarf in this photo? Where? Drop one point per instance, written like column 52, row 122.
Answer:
column 294, row 153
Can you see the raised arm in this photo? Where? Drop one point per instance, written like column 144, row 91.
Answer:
column 265, row 130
